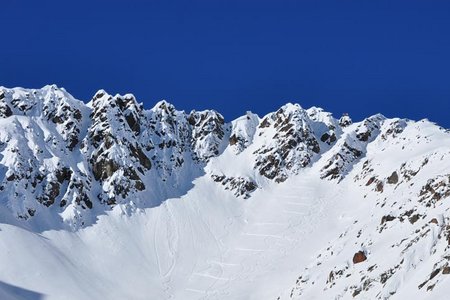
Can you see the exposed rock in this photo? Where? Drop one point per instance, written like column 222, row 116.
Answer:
column 434, row 273
column 345, row 120
column 51, row 191
column 208, row 131
column 379, row 187
column 359, row 257
column 104, row 168
column 233, row 140
column 5, row 110
column 394, row 129
column 328, row 138
column 413, row 219
column 369, row 128
column 435, row 190
column 137, row 152
column 63, row 174
column 387, row 218
column 356, row 292
column 242, row 132
column 241, row 186
column 338, row 165
column 370, row 181
column 393, row 179
column 292, row 146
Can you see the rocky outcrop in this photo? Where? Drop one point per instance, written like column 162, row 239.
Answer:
column 107, row 152
column 58, row 153
column 351, row 148
column 345, row 120
column 242, row 132
column 242, row 187
column 208, row 133
column 359, row 257
column 63, row 163
column 291, row 143
column 115, row 157
column 340, row 163
column 393, row 178
column 434, row 190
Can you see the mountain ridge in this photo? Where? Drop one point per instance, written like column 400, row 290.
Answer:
column 110, row 132
column 304, row 205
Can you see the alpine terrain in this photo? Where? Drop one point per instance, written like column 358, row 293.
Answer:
column 109, row 200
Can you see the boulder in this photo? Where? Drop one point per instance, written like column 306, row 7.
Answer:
column 359, row 256
column 393, row 179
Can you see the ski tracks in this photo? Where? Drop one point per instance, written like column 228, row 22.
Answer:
column 166, row 243
column 272, row 234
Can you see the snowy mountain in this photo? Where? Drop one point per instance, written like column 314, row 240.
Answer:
column 109, row 200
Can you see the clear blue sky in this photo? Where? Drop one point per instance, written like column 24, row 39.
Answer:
column 359, row 57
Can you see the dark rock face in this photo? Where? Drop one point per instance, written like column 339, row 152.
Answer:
column 369, row 128
column 345, row 121
column 394, row 129
column 379, row 187
column 120, row 143
column 121, row 146
column 393, row 179
column 434, row 190
column 233, row 140
column 131, row 111
column 337, row 167
column 54, row 104
column 103, row 168
column 208, row 131
column 387, row 218
column 5, row 110
column 50, row 193
column 352, row 149
column 72, row 157
column 359, row 257
column 434, row 221
column 293, row 145
column 111, row 146
column 242, row 187
column 327, row 138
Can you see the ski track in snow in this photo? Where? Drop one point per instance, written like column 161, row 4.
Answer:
column 246, row 261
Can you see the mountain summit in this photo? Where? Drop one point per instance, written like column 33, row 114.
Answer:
column 107, row 199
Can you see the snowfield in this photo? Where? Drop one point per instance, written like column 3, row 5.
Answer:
column 205, row 244
column 259, row 208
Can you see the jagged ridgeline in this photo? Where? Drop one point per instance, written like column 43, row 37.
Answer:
column 79, row 159
column 295, row 204
column 59, row 152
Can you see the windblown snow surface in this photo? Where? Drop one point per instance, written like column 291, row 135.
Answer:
column 379, row 187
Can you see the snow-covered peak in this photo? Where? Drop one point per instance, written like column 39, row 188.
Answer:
column 122, row 149
column 242, row 131
column 290, row 107
column 208, row 132
column 164, row 107
column 100, row 94
column 50, row 87
column 293, row 205
column 345, row 120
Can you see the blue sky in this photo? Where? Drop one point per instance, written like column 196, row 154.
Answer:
column 360, row 57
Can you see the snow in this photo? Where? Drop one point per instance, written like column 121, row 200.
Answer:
column 187, row 236
column 177, row 246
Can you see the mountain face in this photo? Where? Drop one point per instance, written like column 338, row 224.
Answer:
column 294, row 205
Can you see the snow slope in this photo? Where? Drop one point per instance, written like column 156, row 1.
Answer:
column 163, row 204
